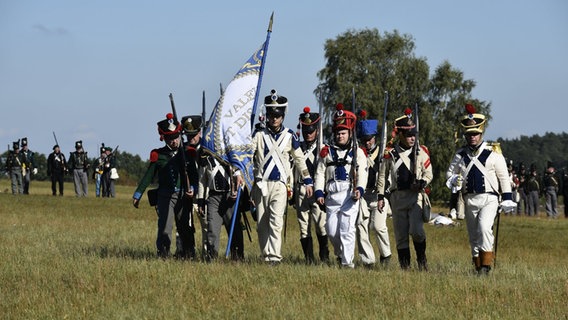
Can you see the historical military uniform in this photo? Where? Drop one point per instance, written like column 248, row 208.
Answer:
column 107, row 180
column 307, row 210
column 370, row 217
column 15, row 167
column 485, row 179
column 191, row 128
column 98, row 168
column 56, row 169
column 171, row 201
column 409, row 171
column 28, row 166
column 218, row 196
column 522, row 176
column 341, row 178
column 551, row 186
column 533, row 191
column 79, row 166
column 273, row 148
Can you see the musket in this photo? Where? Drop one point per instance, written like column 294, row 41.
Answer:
column 181, row 148
column 384, row 132
column 203, row 114
column 55, row 137
column 354, row 166
column 417, row 143
column 221, row 90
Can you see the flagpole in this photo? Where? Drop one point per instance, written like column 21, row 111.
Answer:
column 263, row 60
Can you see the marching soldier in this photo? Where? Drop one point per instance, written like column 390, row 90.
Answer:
column 407, row 167
column 98, row 166
column 522, row 175
column 307, row 210
column 551, row 186
column 218, row 185
column 485, row 179
column 171, row 205
column 15, row 167
column 274, row 146
column 370, row 217
column 79, row 165
column 28, row 166
column 191, row 126
column 107, row 180
column 341, row 178
column 56, row 169
column 533, row 191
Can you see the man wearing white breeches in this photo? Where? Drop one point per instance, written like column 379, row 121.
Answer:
column 274, row 146
column 341, row 177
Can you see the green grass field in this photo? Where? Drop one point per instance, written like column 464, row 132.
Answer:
column 91, row 258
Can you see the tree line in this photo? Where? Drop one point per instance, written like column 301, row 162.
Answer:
column 363, row 66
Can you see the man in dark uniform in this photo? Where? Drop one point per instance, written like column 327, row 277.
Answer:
column 98, row 168
column 14, row 166
column 56, row 169
column 409, row 171
column 217, row 194
column 171, row 204
column 79, row 166
column 308, row 211
column 533, row 191
column 29, row 166
column 107, row 179
column 551, row 185
column 522, row 176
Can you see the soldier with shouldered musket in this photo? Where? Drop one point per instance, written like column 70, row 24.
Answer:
column 407, row 166
column 341, row 178
column 14, row 166
column 307, row 210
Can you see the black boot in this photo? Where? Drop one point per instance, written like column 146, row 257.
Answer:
column 420, row 248
column 404, row 258
column 308, row 247
column 323, row 249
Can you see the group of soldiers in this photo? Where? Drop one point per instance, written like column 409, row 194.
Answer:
column 21, row 164
column 343, row 189
column 529, row 187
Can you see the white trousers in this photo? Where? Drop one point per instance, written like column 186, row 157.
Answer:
column 341, row 217
column 480, row 213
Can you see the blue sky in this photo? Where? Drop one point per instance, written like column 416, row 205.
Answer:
column 101, row 71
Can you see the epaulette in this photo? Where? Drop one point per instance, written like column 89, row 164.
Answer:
column 364, row 151
column 495, row 147
column 425, row 148
column 324, row 151
column 154, row 155
column 387, row 154
column 191, row 151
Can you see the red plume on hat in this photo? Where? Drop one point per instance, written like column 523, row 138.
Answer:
column 473, row 122
column 343, row 119
column 362, row 114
